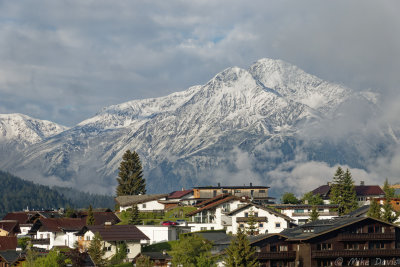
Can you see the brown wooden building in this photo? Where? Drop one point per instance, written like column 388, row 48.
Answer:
column 351, row 241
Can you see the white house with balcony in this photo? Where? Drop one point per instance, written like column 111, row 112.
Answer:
column 300, row 213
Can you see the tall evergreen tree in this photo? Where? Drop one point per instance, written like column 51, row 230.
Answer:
column 96, row 251
column 314, row 215
column 343, row 192
column 388, row 214
column 252, row 224
column 240, row 253
column 374, row 210
column 134, row 216
column 90, row 217
column 130, row 177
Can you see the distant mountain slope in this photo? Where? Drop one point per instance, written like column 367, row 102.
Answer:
column 17, row 194
column 236, row 128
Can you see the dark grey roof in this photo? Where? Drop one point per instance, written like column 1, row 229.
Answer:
column 10, row 256
column 217, row 237
column 312, row 229
column 157, row 255
column 233, row 187
column 303, row 206
column 360, row 212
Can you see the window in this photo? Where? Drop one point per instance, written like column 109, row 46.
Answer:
column 237, row 191
column 88, row 238
column 144, row 205
column 246, row 214
column 299, row 211
column 241, row 225
column 212, row 228
column 261, row 225
column 107, row 248
column 376, row 245
column 352, row 246
column 203, row 228
column 283, row 248
column 324, row 246
column 277, row 225
column 225, row 191
column 128, row 250
column 262, row 191
column 272, row 249
column 255, row 214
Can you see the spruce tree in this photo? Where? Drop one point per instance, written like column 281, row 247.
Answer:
column 374, row 210
column 96, row 251
column 252, row 228
column 314, row 215
column 389, row 214
column 90, row 217
column 240, row 253
column 134, row 218
column 343, row 192
column 130, row 177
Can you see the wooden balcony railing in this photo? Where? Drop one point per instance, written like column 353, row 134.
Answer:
column 41, row 241
column 366, row 236
column 301, row 214
column 356, row 253
column 257, row 219
column 284, row 255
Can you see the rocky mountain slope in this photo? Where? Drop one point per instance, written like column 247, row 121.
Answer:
column 251, row 120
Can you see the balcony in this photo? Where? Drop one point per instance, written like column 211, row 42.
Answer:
column 366, row 236
column 283, row 255
column 256, row 219
column 41, row 241
column 356, row 253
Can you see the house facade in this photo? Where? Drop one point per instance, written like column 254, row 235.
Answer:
column 112, row 236
column 300, row 213
column 145, row 203
column 347, row 241
column 162, row 233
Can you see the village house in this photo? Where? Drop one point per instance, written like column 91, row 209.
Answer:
column 162, row 233
column 364, row 192
column 355, row 241
column 300, row 213
column 179, row 198
column 10, row 258
column 47, row 233
column 267, row 220
column 257, row 194
column 145, row 203
column 9, row 228
column 112, row 236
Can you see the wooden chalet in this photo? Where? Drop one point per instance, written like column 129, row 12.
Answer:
column 346, row 241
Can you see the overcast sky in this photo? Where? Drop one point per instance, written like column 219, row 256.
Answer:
column 65, row 60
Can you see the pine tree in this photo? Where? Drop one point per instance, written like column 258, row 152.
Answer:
column 374, row 210
column 252, row 228
column 314, row 214
column 389, row 214
column 240, row 253
column 96, row 251
column 90, row 217
column 134, row 218
column 343, row 192
column 130, row 177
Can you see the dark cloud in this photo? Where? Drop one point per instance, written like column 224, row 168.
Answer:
column 71, row 58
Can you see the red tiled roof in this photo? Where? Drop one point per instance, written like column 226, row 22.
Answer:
column 179, row 194
column 225, row 198
column 118, row 232
column 8, row 242
column 60, row 224
column 364, row 190
column 207, row 201
column 10, row 225
column 22, row 217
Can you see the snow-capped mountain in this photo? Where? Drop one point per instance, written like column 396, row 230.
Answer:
column 189, row 138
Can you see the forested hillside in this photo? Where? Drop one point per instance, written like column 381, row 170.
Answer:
column 17, row 194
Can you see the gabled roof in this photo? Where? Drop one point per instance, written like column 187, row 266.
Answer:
column 10, row 225
column 272, row 211
column 303, row 206
column 11, row 256
column 8, row 243
column 59, row 224
column 361, row 190
column 233, row 187
column 321, row 227
column 212, row 204
column 22, row 217
column 179, row 194
column 118, row 232
column 137, row 199
column 210, row 200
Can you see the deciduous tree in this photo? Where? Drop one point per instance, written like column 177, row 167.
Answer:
column 289, row 198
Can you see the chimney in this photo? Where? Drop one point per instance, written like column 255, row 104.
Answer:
column 219, row 184
column 362, row 183
column 251, row 184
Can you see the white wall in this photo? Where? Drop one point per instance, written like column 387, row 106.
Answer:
column 146, row 206
column 299, row 219
column 57, row 239
column 159, row 233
